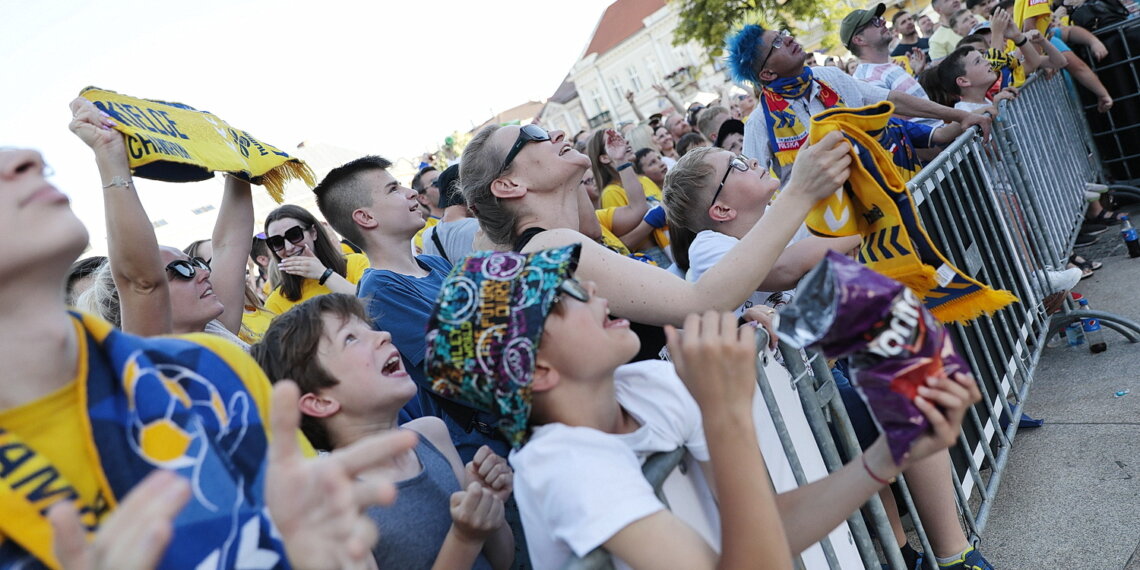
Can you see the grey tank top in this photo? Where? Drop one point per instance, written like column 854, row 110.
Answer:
column 413, row 528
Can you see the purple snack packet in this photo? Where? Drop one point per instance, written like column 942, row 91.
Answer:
column 893, row 343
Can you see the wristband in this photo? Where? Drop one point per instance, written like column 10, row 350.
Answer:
column 877, row 479
column 1024, row 40
column 325, row 276
column 624, row 166
column 117, row 181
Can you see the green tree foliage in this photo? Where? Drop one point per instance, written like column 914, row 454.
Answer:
column 707, row 22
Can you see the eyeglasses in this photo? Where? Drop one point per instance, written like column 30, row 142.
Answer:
column 186, row 269
column 527, row 134
column 735, row 163
column 875, row 23
column 574, row 289
column 777, row 43
column 295, row 235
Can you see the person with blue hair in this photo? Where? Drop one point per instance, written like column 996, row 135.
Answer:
column 792, row 92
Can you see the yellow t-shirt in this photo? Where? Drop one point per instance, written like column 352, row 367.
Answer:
column 419, row 239
column 614, row 196
column 609, row 239
column 54, row 426
column 278, row 304
column 254, row 322
column 1026, row 9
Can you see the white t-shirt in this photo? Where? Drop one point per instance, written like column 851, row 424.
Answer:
column 577, row 487
column 894, row 78
column 707, row 249
column 971, row 107
column 853, row 92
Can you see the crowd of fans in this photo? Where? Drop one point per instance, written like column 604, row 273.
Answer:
column 474, row 368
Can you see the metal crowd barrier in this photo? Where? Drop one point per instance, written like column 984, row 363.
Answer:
column 1115, row 132
column 1004, row 212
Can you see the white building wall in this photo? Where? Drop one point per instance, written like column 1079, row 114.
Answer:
column 651, row 53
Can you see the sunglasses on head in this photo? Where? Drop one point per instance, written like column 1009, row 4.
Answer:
column 527, row 134
column 186, row 269
column 574, row 289
column 294, row 234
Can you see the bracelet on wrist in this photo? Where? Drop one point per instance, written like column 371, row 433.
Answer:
column 877, row 479
column 118, row 182
column 1024, row 40
column 325, row 276
column 624, row 166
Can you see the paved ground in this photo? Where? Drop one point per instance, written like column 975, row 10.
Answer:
column 1070, row 497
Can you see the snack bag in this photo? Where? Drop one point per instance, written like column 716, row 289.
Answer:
column 893, row 343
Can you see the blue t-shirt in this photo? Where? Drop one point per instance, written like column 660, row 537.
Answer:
column 401, row 305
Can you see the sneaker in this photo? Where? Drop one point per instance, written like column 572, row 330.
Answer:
column 971, row 560
column 1093, row 228
column 1085, row 240
column 1057, row 281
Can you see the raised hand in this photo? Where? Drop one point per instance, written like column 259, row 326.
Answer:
column 96, row 128
column 492, row 472
column 134, row 536
column 716, row 360
column 318, row 503
column 617, row 148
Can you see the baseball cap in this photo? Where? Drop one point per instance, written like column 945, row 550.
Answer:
column 856, row 20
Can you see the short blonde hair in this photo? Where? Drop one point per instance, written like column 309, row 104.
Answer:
column 478, row 169
column 688, row 189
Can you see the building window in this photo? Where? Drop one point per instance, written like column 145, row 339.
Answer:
column 653, row 69
column 203, row 209
column 619, row 93
column 596, row 96
column 158, row 223
column 634, row 80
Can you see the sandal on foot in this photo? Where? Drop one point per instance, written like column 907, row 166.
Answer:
column 1106, row 217
column 1085, row 264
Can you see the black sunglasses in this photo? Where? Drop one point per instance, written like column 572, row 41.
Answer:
column 187, row 268
column 294, row 234
column 527, row 134
column 574, row 289
column 735, row 163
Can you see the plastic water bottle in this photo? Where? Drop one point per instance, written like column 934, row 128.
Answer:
column 1093, row 334
column 1074, row 334
column 1131, row 240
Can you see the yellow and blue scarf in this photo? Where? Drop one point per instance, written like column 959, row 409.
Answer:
column 786, row 135
column 876, row 204
column 158, row 403
column 177, row 143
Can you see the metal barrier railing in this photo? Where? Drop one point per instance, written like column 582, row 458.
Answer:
column 1115, row 132
column 1005, row 213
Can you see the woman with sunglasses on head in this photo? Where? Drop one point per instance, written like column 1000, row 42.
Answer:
column 524, row 190
column 612, row 160
column 161, row 290
column 310, row 263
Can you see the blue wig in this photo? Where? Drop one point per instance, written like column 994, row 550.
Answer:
column 741, row 49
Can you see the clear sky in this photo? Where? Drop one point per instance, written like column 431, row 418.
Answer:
column 385, row 77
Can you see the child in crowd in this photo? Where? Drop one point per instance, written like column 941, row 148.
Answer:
column 510, row 332
column 720, row 216
column 353, row 385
